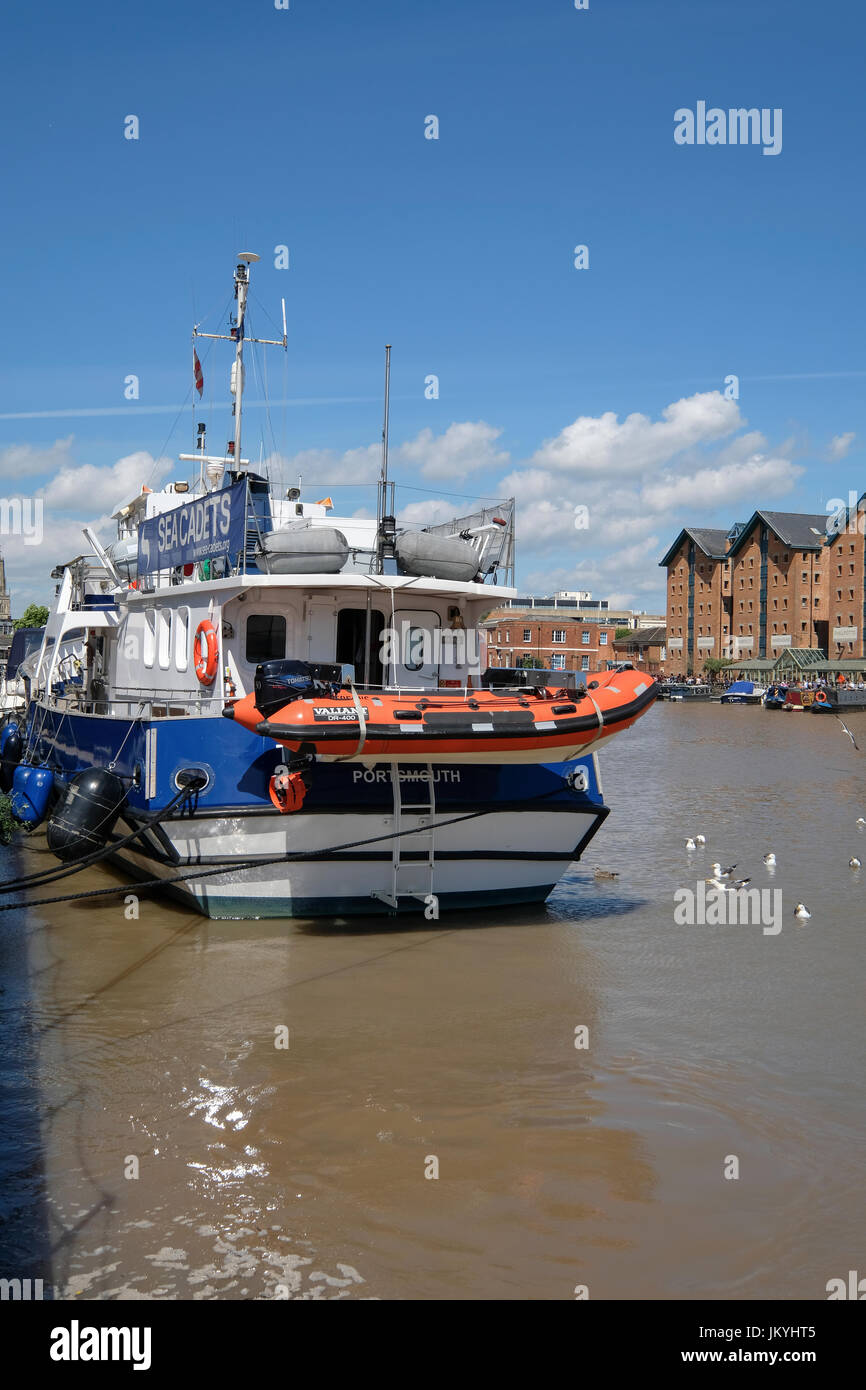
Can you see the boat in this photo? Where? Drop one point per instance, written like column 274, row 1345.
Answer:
column 775, row 697
column 294, row 706
column 685, row 690
column 798, row 700
column 266, row 710
column 743, row 693
column 13, row 688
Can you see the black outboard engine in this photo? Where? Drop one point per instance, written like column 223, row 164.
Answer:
column 86, row 816
column 278, row 682
column 11, row 748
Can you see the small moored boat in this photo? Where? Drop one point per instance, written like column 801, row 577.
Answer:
column 744, row 693
column 309, row 710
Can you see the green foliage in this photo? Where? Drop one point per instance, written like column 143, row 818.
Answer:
column 8, row 823
column 34, row 616
column 713, row 664
column 620, row 633
column 531, row 663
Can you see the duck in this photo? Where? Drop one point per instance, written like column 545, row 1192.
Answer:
column 802, row 911
column 605, row 873
column 770, row 860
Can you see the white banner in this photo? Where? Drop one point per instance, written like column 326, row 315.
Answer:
column 844, row 634
column 705, row 642
column 743, row 644
column 675, row 644
column 781, row 639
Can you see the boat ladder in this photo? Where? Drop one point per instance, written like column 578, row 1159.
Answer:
column 412, row 878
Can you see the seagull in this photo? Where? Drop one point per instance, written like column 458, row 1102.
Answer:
column 741, row 882
column 723, row 873
column 770, row 860
column 700, row 839
column 854, row 863
column 860, row 821
column 848, row 732
column 716, row 883
column 690, row 843
column 802, row 911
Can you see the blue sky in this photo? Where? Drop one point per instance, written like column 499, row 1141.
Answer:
column 599, row 387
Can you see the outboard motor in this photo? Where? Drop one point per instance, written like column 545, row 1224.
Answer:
column 87, row 814
column 278, row 682
column 11, row 748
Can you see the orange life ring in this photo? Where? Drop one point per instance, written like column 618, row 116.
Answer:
column 206, row 643
column 287, row 790
column 821, row 697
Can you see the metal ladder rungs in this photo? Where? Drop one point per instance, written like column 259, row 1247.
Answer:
column 426, row 811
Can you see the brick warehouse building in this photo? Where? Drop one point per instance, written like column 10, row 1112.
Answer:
column 846, row 583
column 557, row 639
column 698, row 599
column 779, row 584
column 780, row 581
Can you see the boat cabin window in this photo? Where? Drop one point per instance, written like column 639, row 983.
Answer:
column 181, row 645
column 351, row 640
column 163, row 624
column 149, row 637
column 266, row 637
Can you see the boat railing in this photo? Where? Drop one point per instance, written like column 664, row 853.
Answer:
column 130, row 702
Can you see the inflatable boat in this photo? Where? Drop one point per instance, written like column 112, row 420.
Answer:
column 296, row 704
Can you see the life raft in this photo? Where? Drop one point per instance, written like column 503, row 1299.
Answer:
column 525, row 725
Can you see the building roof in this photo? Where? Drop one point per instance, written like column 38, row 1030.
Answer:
column 799, row 530
column 713, row 542
column 852, row 664
column 804, row 658
column 643, row 637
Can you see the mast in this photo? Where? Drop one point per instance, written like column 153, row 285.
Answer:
column 242, row 284
column 386, row 520
column 237, row 336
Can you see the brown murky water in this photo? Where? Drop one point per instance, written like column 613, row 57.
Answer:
column 305, row 1168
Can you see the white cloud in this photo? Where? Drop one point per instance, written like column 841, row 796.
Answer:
column 431, row 512
column 710, row 488
column 595, row 445
column 839, row 446
column 328, row 468
column 27, row 461
column 81, row 488
column 463, row 448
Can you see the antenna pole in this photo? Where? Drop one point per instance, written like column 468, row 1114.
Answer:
column 387, row 413
column 386, row 521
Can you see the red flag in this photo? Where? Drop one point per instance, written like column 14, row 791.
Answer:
column 196, row 368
